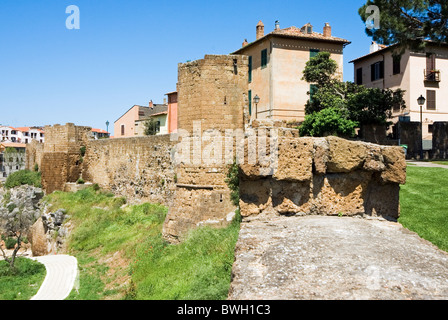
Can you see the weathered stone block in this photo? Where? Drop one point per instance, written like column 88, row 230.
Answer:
column 295, row 160
column 345, row 155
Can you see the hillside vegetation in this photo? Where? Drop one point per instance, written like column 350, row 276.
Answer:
column 122, row 254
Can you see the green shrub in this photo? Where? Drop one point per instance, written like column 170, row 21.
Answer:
column 10, row 243
column 23, row 177
column 36, row 167
column 80, row 181
column 233, row 182
column 328, row 122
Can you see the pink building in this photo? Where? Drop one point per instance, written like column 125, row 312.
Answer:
column 172, row 112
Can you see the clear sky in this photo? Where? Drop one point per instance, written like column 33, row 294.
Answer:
column 126, row 51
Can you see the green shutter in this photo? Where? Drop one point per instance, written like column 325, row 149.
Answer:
column 264, row 58
column 250, row 102
column 313, row 52
column 313, row 90
column 250, row 69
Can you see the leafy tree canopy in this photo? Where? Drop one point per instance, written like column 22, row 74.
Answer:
column 407, row 22
column 356, row 103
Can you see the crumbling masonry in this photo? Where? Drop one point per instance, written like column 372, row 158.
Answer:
column 329, row 176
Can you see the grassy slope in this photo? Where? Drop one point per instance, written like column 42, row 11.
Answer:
column 121, row 252
column 424, row 204
column 24, row 282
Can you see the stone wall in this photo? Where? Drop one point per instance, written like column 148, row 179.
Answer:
column 139, row 168
column 325, row 176
column 34, row 153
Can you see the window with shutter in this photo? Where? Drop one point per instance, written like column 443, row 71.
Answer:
column 397, row 64
column 264, row 58
column 359, row 76
column 250, row 69
column 431, row 100
column 250, row 102
column 377, row 71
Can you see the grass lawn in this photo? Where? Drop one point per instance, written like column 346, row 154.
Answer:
column 423, row 201
column 122, row 254
column 22, row 283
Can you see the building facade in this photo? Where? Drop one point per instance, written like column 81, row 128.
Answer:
column 21, row 135
column 418, row 73
column 276, row 64
column 125, row 127
column 12, row 158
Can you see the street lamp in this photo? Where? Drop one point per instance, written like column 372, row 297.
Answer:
column 421, row 101
column 256, row 101
column 107, row 126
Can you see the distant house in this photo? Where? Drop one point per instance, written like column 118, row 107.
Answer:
column 21, row 135
column 125, row 126
column 418, row 73
column 12, row 158
column 160, row 119
column 172, row 112
column 276, row 64
column 32, row 133
column 100, row 134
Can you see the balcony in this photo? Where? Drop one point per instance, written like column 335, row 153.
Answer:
column 432, row 75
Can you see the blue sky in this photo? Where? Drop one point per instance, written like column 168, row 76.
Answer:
column 127, row 52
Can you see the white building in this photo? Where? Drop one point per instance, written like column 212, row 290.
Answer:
column 21, row 135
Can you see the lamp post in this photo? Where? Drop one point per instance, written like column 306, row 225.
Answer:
column 256, row 101
column 107, row 127
column 421, row 101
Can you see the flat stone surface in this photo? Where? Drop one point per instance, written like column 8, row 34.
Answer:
column 335, row 258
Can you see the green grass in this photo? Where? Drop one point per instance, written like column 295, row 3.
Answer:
column 23, row 282
column 146, row 267
column 423, row 201
column 197, row 269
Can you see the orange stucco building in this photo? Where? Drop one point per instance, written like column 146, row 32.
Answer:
column 276, row 64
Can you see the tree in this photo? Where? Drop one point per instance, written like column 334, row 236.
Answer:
column 408, row 22
column 17, row 215
column 151, row 127
column 356, row 103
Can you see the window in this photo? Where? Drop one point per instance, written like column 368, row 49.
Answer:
column 396, row 64
column 430, row 128
column 396, row 107
column 430, row 62
column 122, row 129
column 157, row 126
column 359, row 76
column 431, row 100
column 264, row 58
column 250, row 69
column 313, row 53
column 377, row 71
column 250, row 102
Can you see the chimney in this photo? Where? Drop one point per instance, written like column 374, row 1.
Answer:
column 245, row 43
column 164, row 100
column 277, row 25
column 151, row 105
column 260, row 30
column 374, row 47
column 327, row 30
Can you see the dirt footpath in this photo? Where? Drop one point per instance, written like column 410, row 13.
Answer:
column 333, row 258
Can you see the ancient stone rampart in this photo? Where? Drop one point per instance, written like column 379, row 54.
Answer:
column 139, row 168
column 324, row 176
